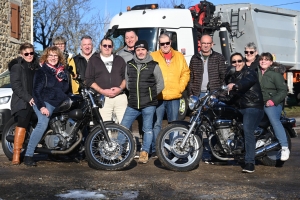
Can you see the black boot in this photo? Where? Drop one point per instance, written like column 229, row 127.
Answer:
column 29, row 161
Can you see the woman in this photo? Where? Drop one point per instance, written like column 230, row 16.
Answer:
column 244, row 91
column 49, row 90
column 22, row 70
column 251, row 56
column 274, row 91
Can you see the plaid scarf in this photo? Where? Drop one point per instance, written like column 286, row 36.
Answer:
column 58, row 71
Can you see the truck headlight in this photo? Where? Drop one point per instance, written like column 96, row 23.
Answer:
column 4, row 100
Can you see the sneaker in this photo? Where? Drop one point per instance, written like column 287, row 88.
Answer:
column 249, row 168
column 143, row 157
column 285, row 154
column 153, row 155
column 137, row 155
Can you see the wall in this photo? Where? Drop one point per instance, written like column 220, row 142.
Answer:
column 9, row 46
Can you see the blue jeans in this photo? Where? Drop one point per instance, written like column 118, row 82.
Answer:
column 274, row 113
column 147, row 113
column 169, row 106
column 251, row 120
column 40, row 128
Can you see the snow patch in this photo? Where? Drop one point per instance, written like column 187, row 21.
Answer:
column 79, row 194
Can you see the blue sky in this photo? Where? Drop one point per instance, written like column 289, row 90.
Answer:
column 113, row 7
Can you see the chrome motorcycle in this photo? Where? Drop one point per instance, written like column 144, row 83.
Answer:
column 179, row 146
column 64, row 135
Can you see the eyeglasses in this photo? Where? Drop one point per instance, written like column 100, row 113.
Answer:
column 265, row 59
column 27, row 54
column 53, row 56
column 59, row 44
column 164, row 43
column 251, row 52
column 236, row 61
column 107, row 45
column 206, row 43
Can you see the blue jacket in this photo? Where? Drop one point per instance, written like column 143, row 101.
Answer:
column 46, row 88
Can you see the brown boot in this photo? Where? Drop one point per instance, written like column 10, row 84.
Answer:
column 18, row 143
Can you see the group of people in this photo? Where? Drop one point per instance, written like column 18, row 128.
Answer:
column 137, row 82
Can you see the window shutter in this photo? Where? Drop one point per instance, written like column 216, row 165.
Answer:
column 15, row 21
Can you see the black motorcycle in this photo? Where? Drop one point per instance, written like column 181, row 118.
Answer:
column 179, row 146
column 68, row 124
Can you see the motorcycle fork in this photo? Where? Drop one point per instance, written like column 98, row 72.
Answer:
column 99, row 119
column 193, row 124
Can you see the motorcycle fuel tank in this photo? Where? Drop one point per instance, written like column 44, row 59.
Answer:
column 227, row 112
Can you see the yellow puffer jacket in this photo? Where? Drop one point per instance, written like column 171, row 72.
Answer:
column 75, row 85
column 176, row 74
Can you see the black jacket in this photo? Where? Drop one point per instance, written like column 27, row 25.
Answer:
column 81, row 65
column 20, row 83
column 246, row 92
column 46, row 88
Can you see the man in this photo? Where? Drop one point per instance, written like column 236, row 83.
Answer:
column 144, row 81
column 130, row 39
column 176, row 76
column 207, row 66
column 79, row 62
column 105, row 73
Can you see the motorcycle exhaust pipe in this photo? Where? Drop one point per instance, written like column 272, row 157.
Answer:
column 261, row 151
column 10, row 138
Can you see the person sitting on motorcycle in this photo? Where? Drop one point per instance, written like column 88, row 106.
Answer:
column 274, row 90
column 244, row 91
column 50, row 85
column 22, row 70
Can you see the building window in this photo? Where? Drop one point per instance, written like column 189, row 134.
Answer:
column 15, row 21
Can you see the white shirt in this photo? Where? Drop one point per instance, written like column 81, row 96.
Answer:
column 108, row 61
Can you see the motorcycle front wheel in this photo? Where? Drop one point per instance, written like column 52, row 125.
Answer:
column 118, row 155
column 171, row 155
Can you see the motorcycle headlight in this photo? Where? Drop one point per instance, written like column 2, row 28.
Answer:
column 100, row 99
column 4, row 100
column 193, row 100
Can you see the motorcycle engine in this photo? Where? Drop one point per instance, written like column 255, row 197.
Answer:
column 227, row 136
column 62, row 133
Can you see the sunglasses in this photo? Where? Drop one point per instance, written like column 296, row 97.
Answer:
column 107, row 45
column 251, row 52
column 236, row 61
column 27, row 54
column 164, row 43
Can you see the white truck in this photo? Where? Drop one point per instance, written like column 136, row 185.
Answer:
column 272, row 29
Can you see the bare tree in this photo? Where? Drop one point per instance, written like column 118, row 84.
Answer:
column 67, row 18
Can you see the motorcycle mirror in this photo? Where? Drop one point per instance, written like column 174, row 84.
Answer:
column 230, row 71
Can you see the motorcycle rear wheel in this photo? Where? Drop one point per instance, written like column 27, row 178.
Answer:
column 8, row 147
column 171, row 155
column 272, row 158
column 116, row 157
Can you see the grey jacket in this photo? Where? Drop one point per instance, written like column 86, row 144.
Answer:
column 125, row 54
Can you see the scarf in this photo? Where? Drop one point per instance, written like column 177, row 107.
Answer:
column 58, row 71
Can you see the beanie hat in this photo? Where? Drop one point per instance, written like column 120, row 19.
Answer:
column 141, row 44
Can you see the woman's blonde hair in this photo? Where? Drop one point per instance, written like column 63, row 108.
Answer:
column 54, row 49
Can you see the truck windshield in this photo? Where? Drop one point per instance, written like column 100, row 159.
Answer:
column 148, row 34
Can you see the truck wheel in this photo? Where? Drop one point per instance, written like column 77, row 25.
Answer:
column 183, row 107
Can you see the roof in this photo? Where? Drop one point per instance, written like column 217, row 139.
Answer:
column 172, row 18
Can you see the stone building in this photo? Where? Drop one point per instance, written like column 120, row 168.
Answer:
column 15, row 28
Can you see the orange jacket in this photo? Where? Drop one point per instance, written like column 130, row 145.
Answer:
column 176, row 74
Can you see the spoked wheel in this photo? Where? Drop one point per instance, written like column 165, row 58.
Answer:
column 171, row 155
column 272, row 158
column 118, row 155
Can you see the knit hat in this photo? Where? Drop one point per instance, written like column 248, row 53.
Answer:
column 141, row 44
